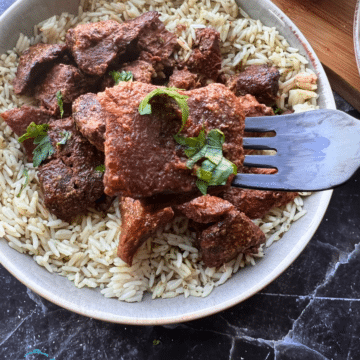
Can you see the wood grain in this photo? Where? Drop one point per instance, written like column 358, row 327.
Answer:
column 328, row 26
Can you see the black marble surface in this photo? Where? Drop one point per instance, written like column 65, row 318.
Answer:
column 311, row 312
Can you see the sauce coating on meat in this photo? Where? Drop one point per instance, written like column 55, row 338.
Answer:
column 235, row 234
column 67, row 79
column 205, row 58
column 90, row 119
column 138, row 224
column 261, row 81
column 184, row 79
column 20, row 119
column 68, row 179
column 205, row 209
column 142, row 157
column 35, row 61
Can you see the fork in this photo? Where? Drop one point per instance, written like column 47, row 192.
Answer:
column 315, row 150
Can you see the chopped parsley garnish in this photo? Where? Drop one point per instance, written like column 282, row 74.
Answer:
column 66, row 135
column 100, row 168
column 277, row 110
column 156, row 342
column 23, row 186
column 43, row 150
column 60, row 103
column 41, row 139
column 215, row 169
column 121, row 76
column 181, row 100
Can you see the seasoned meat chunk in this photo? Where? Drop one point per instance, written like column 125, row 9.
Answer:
column 138, row 224
column 90, row 119
column 205, row 209
column 184, row 79
column 68, row 178
column 97, row 45
column 34, row 62
column 20, row 119
column 261, row 81
column 253, row 108
column 142, row 157
column 235, row 234
column 69, row 80
column 156, row 40
column 256, row 203
column 205, row 58
column 141, row 70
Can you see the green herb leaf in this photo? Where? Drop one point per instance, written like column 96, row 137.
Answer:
column 66, row 135
column 277, row 110
column 181, row 100
column 33, row 131
column 60, row 103
column 43, row 150
column 100, row 168
column 156, row 342
column 215, row 169
column 23, row 186
column 121, row 76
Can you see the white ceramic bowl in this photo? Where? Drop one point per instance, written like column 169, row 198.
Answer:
column 20, row 18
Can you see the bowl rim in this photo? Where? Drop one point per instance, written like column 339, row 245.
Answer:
column 356, row 34
column 28, row 281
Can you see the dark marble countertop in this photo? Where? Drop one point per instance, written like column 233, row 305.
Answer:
column 311, row 312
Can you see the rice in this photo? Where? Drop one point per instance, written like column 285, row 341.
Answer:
column 168, row 264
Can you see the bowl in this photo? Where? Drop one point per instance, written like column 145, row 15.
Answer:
column 21, row 17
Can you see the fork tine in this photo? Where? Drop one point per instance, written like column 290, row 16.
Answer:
column 262, row 143
column 256, row 181
column 266, row 161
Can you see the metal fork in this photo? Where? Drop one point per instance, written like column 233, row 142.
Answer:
column 316, row 150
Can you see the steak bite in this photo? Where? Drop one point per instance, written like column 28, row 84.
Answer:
column 90, row 119
column 257, row 203
column 20, row 119
column 141, row 70
column 184, row 79
column 261, row 81
column 205, row 209
column 34, row 62
column 68, row 179
column 142, row 157
column 97, row 45
column 253, row 108
column 205, row 58
column 235, row 234
column 138, row 224
column 67, row 79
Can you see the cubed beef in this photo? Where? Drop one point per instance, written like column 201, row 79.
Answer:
column 184, row 79
column 257, row 203
column 138, row 224
column 97, row 45
column 34, row 62
column 67, row 79
column 261, row 81
column 90, row 119
column 205, row 58
column 205, row 209
column 235, row 234
column 142, row 157
column 68, row 179
column 20, row 119
column 141, row 70
column 253, row 108
column 156, row 40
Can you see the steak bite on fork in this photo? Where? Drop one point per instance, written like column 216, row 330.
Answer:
column 141, row 156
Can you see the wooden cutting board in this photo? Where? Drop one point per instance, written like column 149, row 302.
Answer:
column 328, row 26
